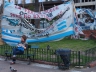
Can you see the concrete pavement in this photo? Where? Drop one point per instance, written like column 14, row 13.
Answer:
column 21, row 66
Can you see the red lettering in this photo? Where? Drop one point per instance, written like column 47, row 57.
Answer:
column 19, row 16
column 18, row 7
column 12, row 15
column 34, row 16
column 15, row 15
column 37, row 15
column 46, row 11
column 29, row 11
column 51, row 9
column 29, row 16
column 25, row 16
column 56, row 7
column 26, row 10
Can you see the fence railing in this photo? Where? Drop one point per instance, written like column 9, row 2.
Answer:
column 77, row 57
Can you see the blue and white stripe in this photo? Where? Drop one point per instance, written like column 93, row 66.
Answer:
column 61, row 25
column 13, row 39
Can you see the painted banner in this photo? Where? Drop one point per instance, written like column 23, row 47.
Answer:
column 79, row 10
column 77, row 28
column 17, row 11
column 88, row 11
column 14, row 26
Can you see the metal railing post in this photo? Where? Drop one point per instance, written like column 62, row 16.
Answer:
column 79, row 58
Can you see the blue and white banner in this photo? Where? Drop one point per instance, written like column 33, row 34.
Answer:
column 17, row 11
column 88, row 11
column 79, row 11
column 14, row 23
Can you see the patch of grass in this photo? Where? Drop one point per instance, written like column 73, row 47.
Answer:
column 76, row 45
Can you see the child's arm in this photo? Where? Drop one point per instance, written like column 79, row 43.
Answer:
column 23, row 45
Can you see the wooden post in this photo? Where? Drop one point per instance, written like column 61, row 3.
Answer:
column 36, row 9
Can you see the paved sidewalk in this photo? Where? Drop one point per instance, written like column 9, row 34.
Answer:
column 21, row 66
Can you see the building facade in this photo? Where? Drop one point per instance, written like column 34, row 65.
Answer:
column 82, row 3
column 50, row 3
column 91, row 4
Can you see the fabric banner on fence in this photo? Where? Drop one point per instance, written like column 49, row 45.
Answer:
column 14, row 26
column 88, row 11
column 17, row 11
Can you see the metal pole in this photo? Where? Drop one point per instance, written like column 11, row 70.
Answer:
column 79, row 58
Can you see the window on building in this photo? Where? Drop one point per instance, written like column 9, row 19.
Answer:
column 90, row 0
column 76, row 1
column 82, row 0
column 86, row 0
column 89, row 7
column 78, row 7
column 93, row 0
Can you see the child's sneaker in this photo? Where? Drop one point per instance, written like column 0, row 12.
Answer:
column 12, row 63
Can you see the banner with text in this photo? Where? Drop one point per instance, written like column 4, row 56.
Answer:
column 16, row 11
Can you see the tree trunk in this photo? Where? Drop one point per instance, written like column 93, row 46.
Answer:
column 36, row 9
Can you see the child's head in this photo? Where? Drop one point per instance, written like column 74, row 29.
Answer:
column 23, row 38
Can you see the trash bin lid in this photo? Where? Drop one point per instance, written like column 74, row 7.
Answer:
column 63, row 51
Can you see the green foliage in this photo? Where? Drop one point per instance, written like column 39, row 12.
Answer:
column 31, row 8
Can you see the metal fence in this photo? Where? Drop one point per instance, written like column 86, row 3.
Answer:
column 77, row 57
